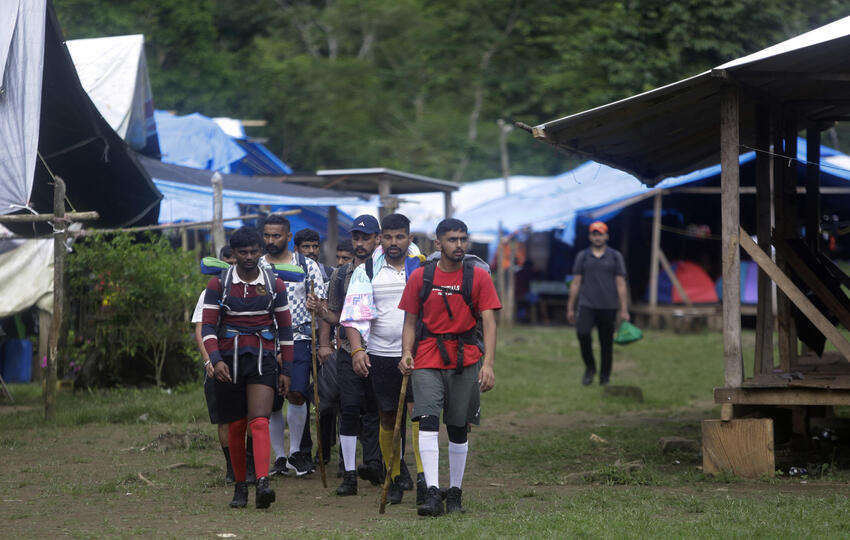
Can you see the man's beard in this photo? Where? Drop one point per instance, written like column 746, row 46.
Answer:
column 273, row 249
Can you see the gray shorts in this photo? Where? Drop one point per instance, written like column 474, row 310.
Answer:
column 456, row 396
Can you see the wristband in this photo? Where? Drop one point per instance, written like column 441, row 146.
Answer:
column 207, row 363
column 357, row 350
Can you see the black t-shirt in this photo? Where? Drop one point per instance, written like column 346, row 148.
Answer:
column 337, row 288
column 599, row 286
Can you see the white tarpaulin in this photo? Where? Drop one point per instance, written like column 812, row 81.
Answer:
column 22, row 24
column 114, row 73
column 26, row 276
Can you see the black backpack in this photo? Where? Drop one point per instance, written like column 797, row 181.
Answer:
column 473, row 336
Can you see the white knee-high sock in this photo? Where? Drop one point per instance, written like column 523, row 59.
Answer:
column 296, row 416
column 348, row 443
column 429, row 451
column 457, row 463
column 277, row 425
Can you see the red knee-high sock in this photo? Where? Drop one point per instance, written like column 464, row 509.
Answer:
column 262, row 445
column 236, row 442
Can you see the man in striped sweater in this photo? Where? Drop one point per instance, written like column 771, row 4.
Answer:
column 247, row 332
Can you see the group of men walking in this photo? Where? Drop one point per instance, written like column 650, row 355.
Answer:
column 387, row 315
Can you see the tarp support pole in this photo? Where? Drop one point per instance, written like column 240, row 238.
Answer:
column 763, row 362
column 58, row 297
column 654, row 261
column 218, row 209
column 384, row 192
column 813, row 186
column 730, row 226
column 447, row 204
column 784, row 186
column 333, row 236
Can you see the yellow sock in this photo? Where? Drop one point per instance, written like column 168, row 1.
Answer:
column 416, row 446
column 385, row 440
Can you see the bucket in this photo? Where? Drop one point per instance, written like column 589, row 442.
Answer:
column 17, row 362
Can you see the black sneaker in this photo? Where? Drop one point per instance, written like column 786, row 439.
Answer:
column 394, row 493
column 349, row 484
column 433, row 504
column 404, row 479
column 372, row 472
column 300, row 463
column 588, row 377
column 421, row 488
column 240, row 495
column 279, row 467
column 265, row 494
column 453, row 500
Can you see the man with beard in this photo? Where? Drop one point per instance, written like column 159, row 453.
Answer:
column 307, row 243
column 276, row 235
column 245, row 315
column 388, row 274
column 358, row 410
column 440, row 350
column 599, row 285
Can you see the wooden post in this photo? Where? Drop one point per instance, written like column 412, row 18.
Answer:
column 384, row 192
column 504, row 129
column 813, row 186
column 654, row 261
column 511, row 285
column 333, row 236
column 730, row 225
column 447, row 204
column 218, row 224
column 44, row 322
column 665, row 264
column 500, row 273
column 789, row 199
column 783, row 305
column 58, row 296
column 764, row 310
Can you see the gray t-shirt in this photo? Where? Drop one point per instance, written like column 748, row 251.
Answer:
column 599, row 286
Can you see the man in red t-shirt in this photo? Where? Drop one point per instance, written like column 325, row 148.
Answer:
column 444, row 381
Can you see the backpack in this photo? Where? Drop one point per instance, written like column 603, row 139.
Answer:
column 473, row 336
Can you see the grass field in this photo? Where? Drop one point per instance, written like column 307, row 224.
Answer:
column 552, row 459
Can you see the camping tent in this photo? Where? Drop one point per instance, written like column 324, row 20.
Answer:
column 49, row 126
column 696, row 283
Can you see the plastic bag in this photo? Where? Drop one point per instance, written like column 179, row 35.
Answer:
column 627, row 333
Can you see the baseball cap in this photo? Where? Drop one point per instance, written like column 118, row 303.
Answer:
column 365, row 224
column 598, row 226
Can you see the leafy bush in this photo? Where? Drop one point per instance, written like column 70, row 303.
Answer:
column 129, row 297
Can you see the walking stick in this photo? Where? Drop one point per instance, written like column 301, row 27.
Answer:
column 396, row 443
column 316, row 393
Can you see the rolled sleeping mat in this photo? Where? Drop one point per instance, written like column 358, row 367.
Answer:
column 212, row 266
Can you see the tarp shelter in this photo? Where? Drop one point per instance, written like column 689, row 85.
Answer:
column 26, row 275
column 258, row 160
column 48, row 121
column 114, row 72
column 196, row 141
column 188, row 196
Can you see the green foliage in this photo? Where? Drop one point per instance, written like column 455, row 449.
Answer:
column 130, row 296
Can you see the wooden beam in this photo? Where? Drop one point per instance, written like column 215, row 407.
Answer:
column 792, row 75
column 744, row 190
column 184, row 225
column 795, row 295
column 813, row 281
column 653, row 259
column 783, row 305
column 218, row 237
column 763, row 361
column 730, row 224
column 665, row 264
column 59, row 253
column 789, row 199
column 41, row 218
column 812, row 220
column 781, row 396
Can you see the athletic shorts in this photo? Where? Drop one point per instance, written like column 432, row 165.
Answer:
column 231, row 398
column 456, row 396
column 209, row 394
column 386, row 382
column 302, row 366
column 355, row 392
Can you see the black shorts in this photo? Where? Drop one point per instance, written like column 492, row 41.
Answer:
column 355, row 392
column 231, row 398
column 386, row 382
column 209, row 394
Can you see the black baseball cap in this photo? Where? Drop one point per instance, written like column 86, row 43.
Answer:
column 365, row 224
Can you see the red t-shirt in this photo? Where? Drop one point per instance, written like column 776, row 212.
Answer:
column 437, row 319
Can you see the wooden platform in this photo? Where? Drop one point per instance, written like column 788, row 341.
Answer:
column 682, row 318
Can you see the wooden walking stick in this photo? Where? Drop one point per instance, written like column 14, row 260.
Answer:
column 316, row 392
column 396, row 443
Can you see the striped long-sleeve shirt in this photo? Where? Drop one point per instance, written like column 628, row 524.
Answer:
column 248, row 312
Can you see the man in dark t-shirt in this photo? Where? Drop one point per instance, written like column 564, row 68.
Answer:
column 599, row 287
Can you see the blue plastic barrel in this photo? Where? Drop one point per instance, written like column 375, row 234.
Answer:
column 17, row 364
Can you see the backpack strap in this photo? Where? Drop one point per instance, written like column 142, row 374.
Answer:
column 339, row 285
column 226, row 279
column 466, row 284
column 301, row 260
column 429, row 269
column 370, row 268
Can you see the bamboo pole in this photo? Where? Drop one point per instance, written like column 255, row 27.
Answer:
column 41, row 218
column 183, row 225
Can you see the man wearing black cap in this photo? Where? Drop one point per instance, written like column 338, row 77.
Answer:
column 356, row 393
column 599, row 286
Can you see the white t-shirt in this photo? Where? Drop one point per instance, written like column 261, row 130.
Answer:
column 198, row 314
column 385, row 334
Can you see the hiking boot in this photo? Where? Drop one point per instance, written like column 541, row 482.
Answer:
column 588, row 377
column 372, row 472
column 228, row 475
column 349, row 484
column 433, row 504
column 240, row 495
column 603, row 382
column 421, row 488
column 453, row 502
column 279, row 467
column 394, row 493
column 404, row 480
column 300, row 463
column 265, row 495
